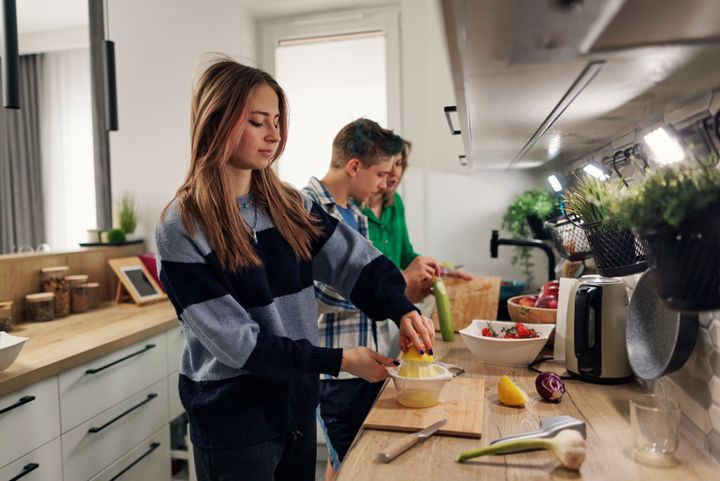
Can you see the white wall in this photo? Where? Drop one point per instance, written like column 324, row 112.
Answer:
column 159, row 45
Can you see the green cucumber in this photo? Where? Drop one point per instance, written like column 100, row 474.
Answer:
column 442, row 304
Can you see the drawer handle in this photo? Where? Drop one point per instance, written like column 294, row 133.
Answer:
column 448, row 110
column 98, row 369
column 26, row 470
column 153, row 447
column 23, row 400
column 150, row 397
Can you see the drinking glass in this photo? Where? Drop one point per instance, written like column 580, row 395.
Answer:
column 655, row 422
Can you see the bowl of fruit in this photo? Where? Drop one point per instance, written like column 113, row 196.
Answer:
column 536, row 309
column 506, row 343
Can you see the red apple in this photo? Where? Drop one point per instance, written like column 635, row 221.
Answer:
column 527, row 301
column 547, row 302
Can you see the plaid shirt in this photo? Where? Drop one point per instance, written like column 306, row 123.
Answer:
column 341, row 324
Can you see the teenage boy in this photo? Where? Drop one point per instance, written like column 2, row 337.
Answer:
column 362, row 157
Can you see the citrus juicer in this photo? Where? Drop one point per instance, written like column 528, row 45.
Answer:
column 416, row 365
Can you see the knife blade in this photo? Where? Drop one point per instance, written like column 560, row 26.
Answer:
column 406, row 442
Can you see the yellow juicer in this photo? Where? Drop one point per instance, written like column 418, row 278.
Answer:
column 416, row 365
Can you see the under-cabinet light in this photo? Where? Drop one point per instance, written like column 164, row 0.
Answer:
column 665, row 148
column 595, row 171
column 555, row 183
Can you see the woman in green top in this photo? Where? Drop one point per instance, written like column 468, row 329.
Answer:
column 388, row 233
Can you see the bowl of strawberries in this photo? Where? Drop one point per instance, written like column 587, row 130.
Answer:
column 506, row 343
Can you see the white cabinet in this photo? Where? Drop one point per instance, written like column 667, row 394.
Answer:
column 175, row 342
column 98, row 442
column 149, row 461
column 174, row 405
column 95, row 386
column 43, row 464
column 29, row 418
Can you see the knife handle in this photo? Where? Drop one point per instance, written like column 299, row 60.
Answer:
column 399, row 447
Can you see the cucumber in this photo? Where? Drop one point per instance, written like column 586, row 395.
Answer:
column 442, row 304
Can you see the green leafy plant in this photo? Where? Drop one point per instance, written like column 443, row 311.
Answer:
column 670, row 196
column 592, row 199
column 127, row 214
column 537, row 202
column 116, row 236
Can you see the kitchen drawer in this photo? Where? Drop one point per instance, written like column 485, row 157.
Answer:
column 118, row 430
column 150, row 461
column 175, row 343
column 30, row 419
column 43, row 464
column 174, row 404
column 111, row 379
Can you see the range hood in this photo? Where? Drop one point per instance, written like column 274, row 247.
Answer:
column 554, row 80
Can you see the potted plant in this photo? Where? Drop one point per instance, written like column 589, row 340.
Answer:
column 524, row 216
column 616, row 249
column 127, row 215
column 675, row 210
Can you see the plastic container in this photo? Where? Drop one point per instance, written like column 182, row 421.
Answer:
column 80, row 298
column 40, row 307
column 6, row 321
column 423, row 392
column 53, row 280
column 93, row 293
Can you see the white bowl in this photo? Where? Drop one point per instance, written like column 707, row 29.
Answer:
column 420, row 392
column 504, row 352
column 10, row 347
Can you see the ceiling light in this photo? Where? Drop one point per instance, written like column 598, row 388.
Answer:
column 665, row 148
column 555, row 183
column 595, row 171
column 554, row 146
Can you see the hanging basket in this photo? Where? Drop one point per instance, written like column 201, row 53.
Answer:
column 686, row 261
column 618, row 251
column 569, row 239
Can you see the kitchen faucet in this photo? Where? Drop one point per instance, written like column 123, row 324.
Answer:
column 495, row 241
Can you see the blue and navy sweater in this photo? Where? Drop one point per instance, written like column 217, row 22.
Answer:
column 249, row 370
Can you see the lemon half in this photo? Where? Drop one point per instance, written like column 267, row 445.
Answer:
column 509, row 394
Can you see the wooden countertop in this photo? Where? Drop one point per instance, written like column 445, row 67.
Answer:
column 604, row 409
column 61, row 344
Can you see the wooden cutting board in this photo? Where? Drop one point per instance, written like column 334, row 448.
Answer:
column 474, row 299
column 462, row 406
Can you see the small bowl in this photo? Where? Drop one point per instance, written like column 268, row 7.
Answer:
column 10, row 347
column 531, row 315
column 423, row 392
column 504, row 352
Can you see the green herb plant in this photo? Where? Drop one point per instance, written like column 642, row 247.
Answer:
column 538, row 202
column 592, row 199
column 127, row 214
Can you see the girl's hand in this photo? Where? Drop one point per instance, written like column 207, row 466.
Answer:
column 422, row 269
column 365, row 363
column 416, row 329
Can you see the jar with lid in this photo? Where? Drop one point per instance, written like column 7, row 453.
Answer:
column 80, row 298
column 54, row 281
column 93, row 293
column 40, row 307
column 76, row 279
column 6, row 321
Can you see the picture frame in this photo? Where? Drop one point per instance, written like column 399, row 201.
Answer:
column 136, row 282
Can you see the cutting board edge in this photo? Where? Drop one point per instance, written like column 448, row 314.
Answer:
column 441, row 432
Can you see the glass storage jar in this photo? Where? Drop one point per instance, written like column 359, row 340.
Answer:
column 80, row 298
column 76, row 279
column 40, row 307
column 54, row 281
column 93, row 293
column 6, row 321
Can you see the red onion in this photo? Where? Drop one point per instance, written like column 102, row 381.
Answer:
column 550, row 386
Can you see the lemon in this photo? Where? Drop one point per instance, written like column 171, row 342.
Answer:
column 412, row 354
column 510, row 394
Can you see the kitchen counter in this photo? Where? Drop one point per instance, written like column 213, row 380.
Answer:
column 64, row 343
column 604, row 409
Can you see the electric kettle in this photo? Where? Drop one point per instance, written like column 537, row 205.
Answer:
column 595, row 348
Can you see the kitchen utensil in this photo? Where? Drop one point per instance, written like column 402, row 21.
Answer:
column 549, row 427
column 659, row 340
column 474, row 299
column 655, row 422
column 406, row 442
column 10, row 347
column 504, row 352
column 595, row 330
column 462, row 405
column 420, row 392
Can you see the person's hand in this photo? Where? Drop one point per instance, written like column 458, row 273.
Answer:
column 421, row 270
column 460, row 274
column 418, row 291
column 365, row 363
column 416, row 329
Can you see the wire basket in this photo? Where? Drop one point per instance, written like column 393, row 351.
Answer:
column 617, row 251
column 569, row 239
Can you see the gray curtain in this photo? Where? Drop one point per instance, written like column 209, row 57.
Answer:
column 22, row 220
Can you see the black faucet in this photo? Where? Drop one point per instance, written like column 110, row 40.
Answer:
column 495, row 241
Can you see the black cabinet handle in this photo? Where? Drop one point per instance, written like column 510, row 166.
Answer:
column 149, row 398
column 27, row 469
column 23, row 400
column 449, row 109
column 98, row 369
column 153, row 447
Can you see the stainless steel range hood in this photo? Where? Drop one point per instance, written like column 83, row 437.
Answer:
column 553, row 80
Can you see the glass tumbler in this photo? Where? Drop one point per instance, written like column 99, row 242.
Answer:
column 655, row 423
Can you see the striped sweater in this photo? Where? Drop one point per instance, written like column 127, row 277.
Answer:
column 250, row 365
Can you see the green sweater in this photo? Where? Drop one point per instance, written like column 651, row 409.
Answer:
column 389, row 234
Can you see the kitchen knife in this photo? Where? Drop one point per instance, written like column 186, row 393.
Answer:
column 406, row 442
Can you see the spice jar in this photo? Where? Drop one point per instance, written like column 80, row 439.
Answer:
column 93, row 293
column 6, row 321
column 54, row 281
column 80, row 298
column 76, row 279
column 40, row 307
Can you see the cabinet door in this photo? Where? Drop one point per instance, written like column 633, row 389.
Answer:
column 43, row 464
column 149, row 461
column 95, row 386
column 29, row 418
column 175, row 343
column 96, row 444
column 174, row 404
